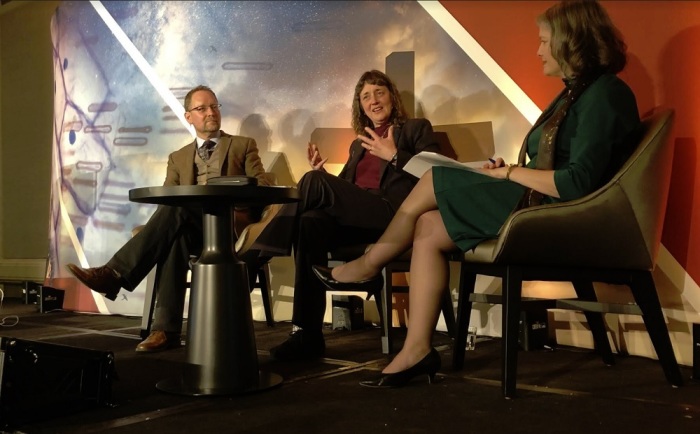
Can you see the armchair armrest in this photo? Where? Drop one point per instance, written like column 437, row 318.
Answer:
column 593, row 231
column 620, row 223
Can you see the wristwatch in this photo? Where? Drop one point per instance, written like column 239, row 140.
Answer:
column 394, row 158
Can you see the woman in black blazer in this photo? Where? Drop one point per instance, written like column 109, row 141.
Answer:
column 351, row 208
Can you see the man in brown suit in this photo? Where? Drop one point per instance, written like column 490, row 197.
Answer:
column 173, row 233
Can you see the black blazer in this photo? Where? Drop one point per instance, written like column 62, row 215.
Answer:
column 411, row 138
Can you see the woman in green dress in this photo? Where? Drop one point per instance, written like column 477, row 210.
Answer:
column 576, row 145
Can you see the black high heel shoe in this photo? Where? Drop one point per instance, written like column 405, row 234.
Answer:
column 372, row 285
column 429, row 366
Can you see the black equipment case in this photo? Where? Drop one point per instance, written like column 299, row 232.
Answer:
column 39, row 380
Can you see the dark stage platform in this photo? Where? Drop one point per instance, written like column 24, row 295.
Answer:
column 561, row 390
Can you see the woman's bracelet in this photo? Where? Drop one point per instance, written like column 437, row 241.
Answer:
column 510, row 169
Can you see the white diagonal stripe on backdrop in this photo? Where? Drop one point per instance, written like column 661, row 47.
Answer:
column 142, row 64
column 483, row 60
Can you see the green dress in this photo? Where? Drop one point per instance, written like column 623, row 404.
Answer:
column 594, row 140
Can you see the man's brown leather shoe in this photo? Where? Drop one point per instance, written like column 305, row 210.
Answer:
column 158, row 341
column 100, row 279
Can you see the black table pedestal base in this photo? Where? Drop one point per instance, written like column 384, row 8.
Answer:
column 221, row 352
column 178, row 386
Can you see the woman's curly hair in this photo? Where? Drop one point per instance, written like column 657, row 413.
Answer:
column 359, row 118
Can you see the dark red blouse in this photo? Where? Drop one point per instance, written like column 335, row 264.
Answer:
column 367, row 173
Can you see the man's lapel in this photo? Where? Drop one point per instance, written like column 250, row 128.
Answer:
column 224, row 145
column 188, row 170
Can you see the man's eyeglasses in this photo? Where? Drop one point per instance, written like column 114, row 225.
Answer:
column 203, row 108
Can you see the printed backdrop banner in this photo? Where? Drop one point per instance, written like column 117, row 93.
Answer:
column 284, row 73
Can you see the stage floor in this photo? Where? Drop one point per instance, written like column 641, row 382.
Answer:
column 559, row 390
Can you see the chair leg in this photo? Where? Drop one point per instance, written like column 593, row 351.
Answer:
column 584, row 291
column 467, row 281
column 512, row 290
column 149, row 302
column 387, row 299
column 644, row 292
column 379, row 301
column 264, row 285
column 448, row 311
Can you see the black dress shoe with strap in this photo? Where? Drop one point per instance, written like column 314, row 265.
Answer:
column 100, row 279
column 429, row 366
column 372, row 285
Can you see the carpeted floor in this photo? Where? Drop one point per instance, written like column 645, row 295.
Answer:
column 560, row 390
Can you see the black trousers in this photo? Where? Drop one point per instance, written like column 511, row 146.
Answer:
column 167, row 240
column 332, row 213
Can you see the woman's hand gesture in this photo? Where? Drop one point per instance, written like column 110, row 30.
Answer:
column 382, row 147
column 314, row 157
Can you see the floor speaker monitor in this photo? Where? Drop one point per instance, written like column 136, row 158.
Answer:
column 40, row 380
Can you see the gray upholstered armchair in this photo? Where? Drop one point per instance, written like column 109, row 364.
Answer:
column 612, row 235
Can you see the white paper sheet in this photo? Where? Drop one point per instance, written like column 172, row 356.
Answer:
column 423, row 161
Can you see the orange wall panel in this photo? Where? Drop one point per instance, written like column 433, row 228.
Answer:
column 663, row 70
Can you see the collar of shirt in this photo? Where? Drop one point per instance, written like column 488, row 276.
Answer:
column 382, row 130
column 200, row 141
